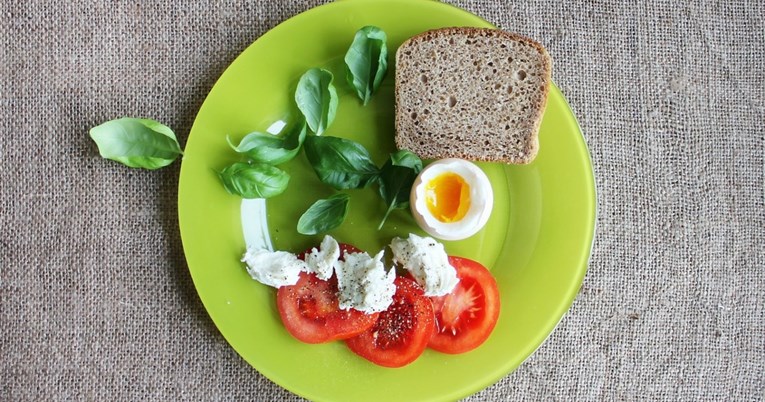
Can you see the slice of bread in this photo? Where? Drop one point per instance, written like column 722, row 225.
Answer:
column 471, row 93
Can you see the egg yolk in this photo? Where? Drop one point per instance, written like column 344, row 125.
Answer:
column 447, row 197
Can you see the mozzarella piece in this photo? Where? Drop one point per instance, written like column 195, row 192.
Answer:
column 426, row 260
column 273, row 268
column 363, row 283
column 322, row 261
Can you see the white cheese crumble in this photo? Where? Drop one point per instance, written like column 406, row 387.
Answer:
column 322, row 261
column 273, row 268
column 363, row 283
column 426, row 260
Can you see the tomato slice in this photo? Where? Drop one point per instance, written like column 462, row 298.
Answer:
column 466, row 316
column 402, row 332
column 310, row 309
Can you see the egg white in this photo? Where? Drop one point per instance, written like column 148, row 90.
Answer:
column 481, row 200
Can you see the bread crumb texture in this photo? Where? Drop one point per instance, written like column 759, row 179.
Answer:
column 471, row 93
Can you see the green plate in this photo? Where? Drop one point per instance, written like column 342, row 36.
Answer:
column 537, row 242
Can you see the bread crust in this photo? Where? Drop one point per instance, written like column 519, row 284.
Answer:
column 405, row 133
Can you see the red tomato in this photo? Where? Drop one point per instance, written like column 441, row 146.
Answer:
column 310, row 310
column 466, row 316
column 402, row 332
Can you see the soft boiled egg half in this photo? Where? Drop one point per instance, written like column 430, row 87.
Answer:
column 451, row 199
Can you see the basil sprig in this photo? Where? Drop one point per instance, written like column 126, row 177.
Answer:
column 366, row 61
column 396, row 179
column 316, row 98
column 340, row 163
column 138, row 143
column 324, row 215
column 258, row 180
column 267, row 148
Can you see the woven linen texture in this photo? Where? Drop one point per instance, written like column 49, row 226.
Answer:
column 96, row 302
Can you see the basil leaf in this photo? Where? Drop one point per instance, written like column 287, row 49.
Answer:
column 316, row 98
column 138, row 143
column 324, row 215
column 406, row 158
column 367, row 61
column 271, row 149
column 254, row 181
column 340, row 163
column 396, row 179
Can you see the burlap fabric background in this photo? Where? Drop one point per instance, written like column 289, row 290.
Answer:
column 96, row 302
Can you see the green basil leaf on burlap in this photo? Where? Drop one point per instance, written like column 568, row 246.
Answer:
column 138, row 143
